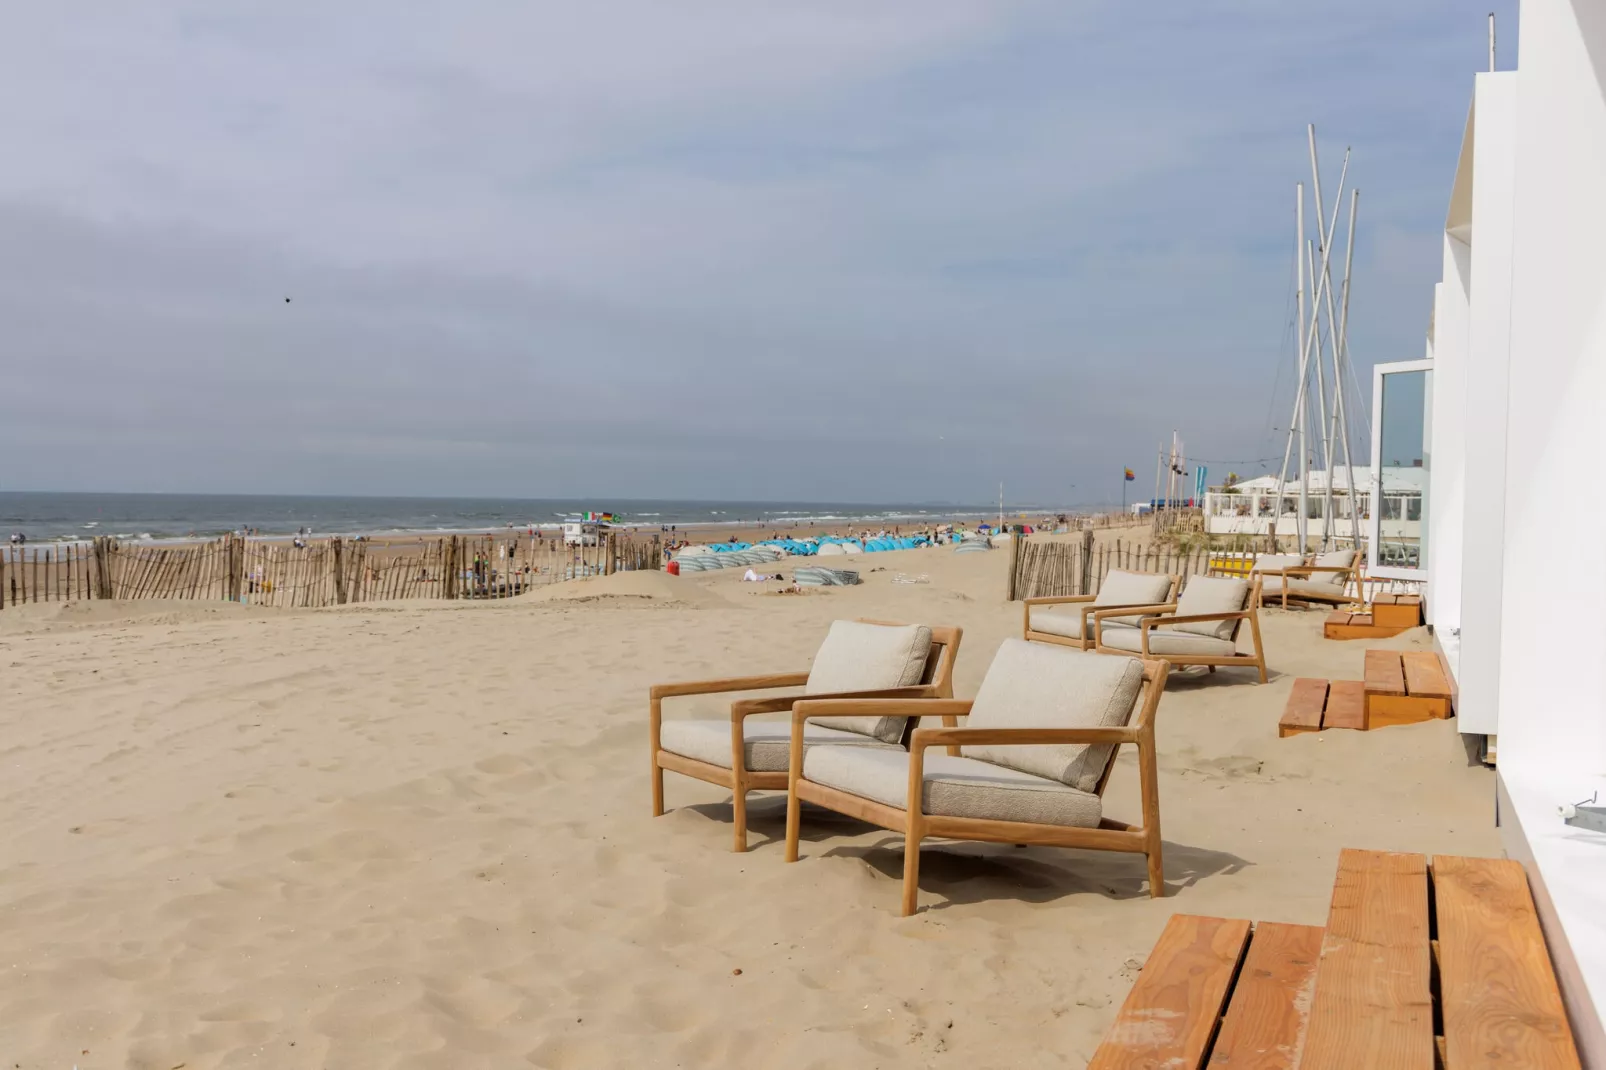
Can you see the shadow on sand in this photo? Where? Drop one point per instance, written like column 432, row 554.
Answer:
column 964, row 872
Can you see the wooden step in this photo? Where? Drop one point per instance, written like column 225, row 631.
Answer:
column 1314, row 705
column 1373, row 1005
column 1400, row 611
column 1501, row 1003
column 1343, row 624
column 1361, row 992
column 1170, row 1016
column 1404, row 687
column 1270, row 1007
column 1346, row 705
column 1304, row 710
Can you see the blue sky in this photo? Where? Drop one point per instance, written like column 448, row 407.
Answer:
column 735, row 250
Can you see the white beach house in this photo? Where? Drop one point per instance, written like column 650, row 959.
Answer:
column 1512, row 393
column 1249, row 508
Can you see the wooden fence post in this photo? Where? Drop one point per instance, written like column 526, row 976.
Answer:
column 340, row 571
column 1086, row 579
column 1014, row 561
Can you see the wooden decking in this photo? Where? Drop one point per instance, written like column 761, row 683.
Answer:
column 1390, row 983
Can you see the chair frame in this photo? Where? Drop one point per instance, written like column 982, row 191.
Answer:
column 1154, row 616
column 740, row 780
column 1110, row 835
column 1085, row 600
column 1351, row 573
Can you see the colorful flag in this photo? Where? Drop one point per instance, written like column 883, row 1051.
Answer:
column 1130, row 475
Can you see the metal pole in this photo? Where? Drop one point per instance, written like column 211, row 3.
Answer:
column 1491, row 42
column 1299, row 392
column 1340, row 361
column 1321, row 387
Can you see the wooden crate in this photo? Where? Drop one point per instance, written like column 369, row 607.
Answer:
column 1359, row 992
column 1404, row 687
column 1314, row 705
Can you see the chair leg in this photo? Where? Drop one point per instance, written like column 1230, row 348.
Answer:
column 739, row 815
column 1156, row 872
column 657, row 787
column 1212, row 668
column 794, row 823
column 911, row 871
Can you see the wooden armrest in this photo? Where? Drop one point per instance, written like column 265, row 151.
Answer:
column 1136, row 610
column 985, row 737
column 731, row 683
column 1306, row 570
column 743, row 708
column 880, row 707
column 1148, row 623
column 1057, row 600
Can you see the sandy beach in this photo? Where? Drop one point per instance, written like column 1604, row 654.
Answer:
column 418, row 836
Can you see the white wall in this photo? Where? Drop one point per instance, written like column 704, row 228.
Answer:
column 1488, row 352
column 1448, row 435
column 1553, row 634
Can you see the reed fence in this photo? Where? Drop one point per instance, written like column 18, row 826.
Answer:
column 1043, row 569
column 326, row 572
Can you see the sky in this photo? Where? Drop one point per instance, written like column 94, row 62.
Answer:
column 736, row 250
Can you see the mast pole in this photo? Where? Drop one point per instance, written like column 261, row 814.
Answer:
column 1299, row 391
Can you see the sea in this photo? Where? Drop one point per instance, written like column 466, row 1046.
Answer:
column 71, row 517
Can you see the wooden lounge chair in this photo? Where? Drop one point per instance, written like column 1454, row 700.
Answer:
column 1325, row 580
column 857, row 658
column 1073, row 627
column 1201, row 628
column 1031, row 765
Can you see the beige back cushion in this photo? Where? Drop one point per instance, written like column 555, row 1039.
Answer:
column 1277, row 562
column 1336, row 559
column 1122, row 588
column 1037, row 685
column 869, row 657
column 1212, row 594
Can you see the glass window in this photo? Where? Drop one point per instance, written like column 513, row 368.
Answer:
column 1403, row 453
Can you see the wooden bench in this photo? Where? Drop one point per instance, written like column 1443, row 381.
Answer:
column 1404, row 687
column 1314, row 705
column 1388, row 984
column 1390, row 615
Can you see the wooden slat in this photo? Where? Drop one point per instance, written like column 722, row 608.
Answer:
column 1372, row 1006
column 1384, row 676
column 1304, row 710
column 1346, row 705
column 1171, row 1013
column 1424, row 675
column 1501, row 1004
column 1267, row 1016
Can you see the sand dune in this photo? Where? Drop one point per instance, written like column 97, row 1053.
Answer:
column 418, row 836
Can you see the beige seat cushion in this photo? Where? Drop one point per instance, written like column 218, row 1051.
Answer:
column 1277, row 562
column 952, row 787
column 1122, row 588
column 1336, row 559
column 1037, row 685
column 1062, row 622
column 1297, row 588
column 1172, row 641
column 1212, row 594
column 869, row 657
column 767, row 744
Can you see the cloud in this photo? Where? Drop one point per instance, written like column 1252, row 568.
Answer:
column 707, row 249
